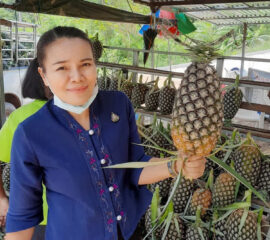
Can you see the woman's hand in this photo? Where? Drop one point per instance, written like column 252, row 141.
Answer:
column 191, row 167
column 3, row 210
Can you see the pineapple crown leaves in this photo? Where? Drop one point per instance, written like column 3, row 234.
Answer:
column 154, row 206
column 210, row 180
column 155, row 86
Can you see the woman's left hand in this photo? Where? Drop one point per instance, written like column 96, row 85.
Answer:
column 191, row 167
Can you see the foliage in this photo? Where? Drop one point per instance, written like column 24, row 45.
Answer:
column 126, row 35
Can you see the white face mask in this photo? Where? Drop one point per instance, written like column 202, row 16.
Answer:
column 75, row 109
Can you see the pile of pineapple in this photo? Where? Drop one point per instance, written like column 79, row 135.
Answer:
column 218, row 196
column 143, row 94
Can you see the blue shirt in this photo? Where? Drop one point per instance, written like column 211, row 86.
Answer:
column 86, row 201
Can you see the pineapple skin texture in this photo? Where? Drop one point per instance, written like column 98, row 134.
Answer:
column 198, row 111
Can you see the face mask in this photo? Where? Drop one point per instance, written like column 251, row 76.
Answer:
column 75, row 109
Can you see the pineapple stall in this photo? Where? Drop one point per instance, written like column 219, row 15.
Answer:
column 190, row 113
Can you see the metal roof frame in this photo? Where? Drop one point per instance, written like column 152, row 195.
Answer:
column 219, row 12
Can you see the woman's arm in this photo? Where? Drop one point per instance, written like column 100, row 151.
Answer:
column 192, row 168
column 22, row 235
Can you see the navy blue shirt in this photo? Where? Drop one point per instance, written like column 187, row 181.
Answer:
column 85, row 200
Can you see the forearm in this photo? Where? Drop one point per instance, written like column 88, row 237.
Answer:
column 22, row 235
column 156, row 173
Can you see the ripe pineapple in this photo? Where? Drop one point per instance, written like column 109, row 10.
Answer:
column 232, row 100
column 247, row 160
column 264, row 177
column 173, row 233
column 151, row 97
column 224, row 190
column 138, row 93
column 166, row 97
column 182, row 194
column 201, row 198
column 248, row 231
column 6, row 178
column 198, row 109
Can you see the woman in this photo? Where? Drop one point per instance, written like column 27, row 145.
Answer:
column 67, row 144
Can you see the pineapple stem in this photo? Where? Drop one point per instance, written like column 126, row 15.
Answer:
column 198, row 216
column 237, row 81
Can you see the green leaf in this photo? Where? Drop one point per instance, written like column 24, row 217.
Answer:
column 238, row 177
column 154, row 206
column 259, row 229
column 243, row 220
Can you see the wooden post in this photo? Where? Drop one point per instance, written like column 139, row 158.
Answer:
column 243, row 49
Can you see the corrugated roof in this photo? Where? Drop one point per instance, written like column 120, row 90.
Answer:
column 222, row 12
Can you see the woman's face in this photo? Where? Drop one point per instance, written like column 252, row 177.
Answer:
column 70, row 70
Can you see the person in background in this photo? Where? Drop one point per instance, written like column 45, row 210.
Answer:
column 33, row 88
column 68, row 143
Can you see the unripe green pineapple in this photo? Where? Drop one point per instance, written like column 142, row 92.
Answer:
column 6, row 178
column 116, row 82
column 232, row 100
column 164, row 187
column 138, row 93
column 222, row 228
column 97, row 47
column 264, row 177
column 193, row 233
column 224, row 190
column 151, row 97
column 182, row 194
column 103, row 81
column 201, row 198
column 248, row 231
column 128, row 86
column 166, row 97
column 247, row 160
column 175, row 225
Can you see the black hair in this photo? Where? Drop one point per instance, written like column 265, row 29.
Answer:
column 33, row 86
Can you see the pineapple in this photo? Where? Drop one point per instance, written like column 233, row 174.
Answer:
column 138, row 93
column 97, row 47
column 151, row 97
column 247, row 160
column 219, row 225
column 193, row 233
column 6, row 178
column 128, row 86
column 264, row 177
column 201, row 198
column 173, row 233
column 248, row 231
column 116, row 82
column 198, row 109
column 232, row 101
column 224, row 190
column 182, row 194
column 166, row 97
column 103, row 81
column 164, row 187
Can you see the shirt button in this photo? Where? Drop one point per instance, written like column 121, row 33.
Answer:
column 119, row 217
column 111, row 188
column 102, row 161
column 91, row 132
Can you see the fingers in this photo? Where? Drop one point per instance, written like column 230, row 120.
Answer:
column 194, row 169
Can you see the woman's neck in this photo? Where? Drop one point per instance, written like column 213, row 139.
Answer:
column 83, row 119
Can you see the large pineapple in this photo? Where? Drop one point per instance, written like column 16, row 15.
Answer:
column 224, row 190
column 198, row 110
column 248, row 231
